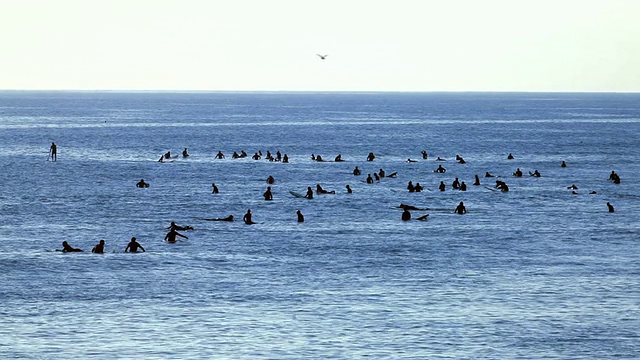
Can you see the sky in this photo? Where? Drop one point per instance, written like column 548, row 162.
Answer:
column 271, row 45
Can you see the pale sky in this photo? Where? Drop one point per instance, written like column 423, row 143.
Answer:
column 271, row 45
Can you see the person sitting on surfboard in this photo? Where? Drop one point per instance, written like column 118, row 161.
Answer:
column 99, row 248
column 338, row 158
column 142, row 184
column 309, row 193
column 300, row 216
column 440, row 170
column 133, row 246
column 349, row 191
column 356, row 171
column 185, row 153
column 247, row 218
column 267, row 194
column 406, row 215
column 270, row 180
column 461, row 209
column 370, row 157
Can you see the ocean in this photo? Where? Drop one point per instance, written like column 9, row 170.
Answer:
column 538, row 272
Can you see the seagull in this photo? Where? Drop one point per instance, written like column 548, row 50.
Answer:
column 322, row 57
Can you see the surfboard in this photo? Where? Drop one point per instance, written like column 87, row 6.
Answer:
column 296, row 194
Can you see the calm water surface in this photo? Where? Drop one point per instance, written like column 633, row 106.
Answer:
column 535, row 273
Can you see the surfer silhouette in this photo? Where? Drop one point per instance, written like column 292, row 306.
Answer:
column 99, row 248
column 53, row 152
column 247, row 218
column 133, row 246
column 171, row 236
column 68, row 248
column 461, row 209
column 300, row 216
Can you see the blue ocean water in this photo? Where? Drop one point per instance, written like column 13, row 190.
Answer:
column 535, row 273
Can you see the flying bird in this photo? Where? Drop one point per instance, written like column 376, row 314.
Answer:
column 322, row 57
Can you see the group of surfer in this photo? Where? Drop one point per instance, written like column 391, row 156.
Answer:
column 133, row 246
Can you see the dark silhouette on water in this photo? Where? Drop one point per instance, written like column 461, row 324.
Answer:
column 267, row 194
column 68, row 248
column 309, row 194
column 406, row 215
column 133, row 246
column 215, row 188
column 477, row 182
column 228, row 218
column 142, row 184
column 53, row 152
column 356, row 171
column 300, row 216
column 460, row 209
column 247, row 218
column 185, row 153
column 171, row 236
column 370, row 157
column 99, row 248
column 610, row 207
column 349, row 191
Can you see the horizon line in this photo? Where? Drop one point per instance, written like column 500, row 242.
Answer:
column 325, row 91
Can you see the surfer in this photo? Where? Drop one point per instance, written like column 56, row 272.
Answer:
column 133, row 246
column 171, row 236
column 463, row 186
column 285, row 158
column 99, row 248
column 174, row 226
column 440, row 170
column 425, row 156
column 267, row 194
column 369, row 179
column 455, row 184
column 406, row 215
column 440, row 159
column 219, row 155
column 411, row 160
column 381, row 173
column 410, row 186
column 487, row 174
column 255, row 156
column 518, row 173
column 320, row 190
column 356, row 171
column 300, row 216
column 167, row 155
column 461, row 209
column 309, row 194
column 614, row 177
column 247, row 218
column 53, row 152
column 510, row 156
column 68, row 248
column 228, row 218
column 270, row 180
column 319, row 158
column 142, row 184
column 409, row 207
column 418, row 187
column 214, row 188
column 161, row 158
column 442, row 186
column 536, row 173
column 338, row 158
column 477, row 182
column 393, row 174
column 185, row 153
column 611, row 209
column 235, row 155
column 572, row 187
column 564, row 164
column 349, row 191
column 370, row 157
column 376, row 176
column 502, row 186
